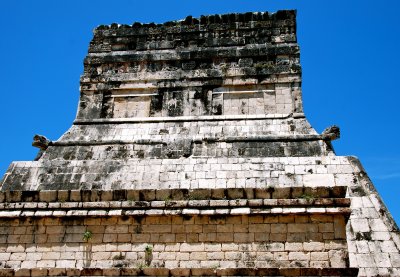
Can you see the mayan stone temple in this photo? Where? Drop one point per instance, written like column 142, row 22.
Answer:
column 190, row 155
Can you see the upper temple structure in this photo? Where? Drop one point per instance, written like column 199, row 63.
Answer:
column 190, row 155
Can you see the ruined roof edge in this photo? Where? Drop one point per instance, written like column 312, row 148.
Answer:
column 209, row 19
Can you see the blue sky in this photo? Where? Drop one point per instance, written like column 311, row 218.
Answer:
column 349, row 54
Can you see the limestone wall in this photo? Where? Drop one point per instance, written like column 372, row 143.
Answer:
column 187, row 173
column 214, row 65
column 173, row 241
column 156, row 98
column 215, row 229
column 373, row 236
column 191, row 156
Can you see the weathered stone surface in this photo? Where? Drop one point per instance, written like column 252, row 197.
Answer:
column 190, row 156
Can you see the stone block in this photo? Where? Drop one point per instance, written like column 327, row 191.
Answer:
column 17, row 256
column 278, row 228
column 276, row 246
column 5, row 256
column 195, row 247
column 315, row 180
column 51, row 255
column 279, row 237
column 190, row 264
column 184, row 272
column 168, row 256
column 23, row 271
column 182, row 256
column 313, row 246
column 302, row 228
column 279, row 256
column 377, row 225
column 57, row 272
column 366, row 260
column 39, row 271
column 382, row 260
column 388, row 247
column 243, row 237
column 200, row 256
column 233, row 256
column 111, row 271
column 326, row 227
column 299, row 256
column 319, row 256
column 319, row 264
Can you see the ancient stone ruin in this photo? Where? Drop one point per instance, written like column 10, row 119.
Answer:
column 191, row 156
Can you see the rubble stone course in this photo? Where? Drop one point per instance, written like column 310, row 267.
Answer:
column 190, row 155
